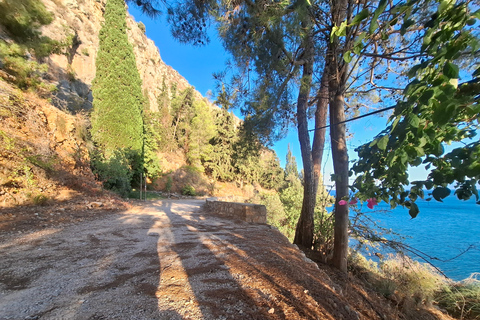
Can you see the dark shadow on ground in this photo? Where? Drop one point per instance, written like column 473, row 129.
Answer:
column 232, row 251
column 102, row 269
column 218, row 295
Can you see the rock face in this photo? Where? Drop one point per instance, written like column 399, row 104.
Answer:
column 78, row 23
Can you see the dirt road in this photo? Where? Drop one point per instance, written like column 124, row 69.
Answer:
column 166, row 260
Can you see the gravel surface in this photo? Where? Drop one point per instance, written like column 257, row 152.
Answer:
column 165, row 260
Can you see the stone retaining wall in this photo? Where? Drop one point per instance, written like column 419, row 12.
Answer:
column 248, row 212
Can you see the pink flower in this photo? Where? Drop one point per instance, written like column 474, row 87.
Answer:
column 372, row 202
column 342, row 202
column 353, row 201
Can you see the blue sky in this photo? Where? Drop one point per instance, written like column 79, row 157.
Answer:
column 196, row 64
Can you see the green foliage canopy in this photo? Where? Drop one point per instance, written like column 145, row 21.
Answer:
column 436, row 110
column 219, row 163
column 117, row 95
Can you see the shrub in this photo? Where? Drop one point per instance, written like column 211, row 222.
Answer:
column 40, row 200
column 141, row 26
column 168, row 185
column 415, row 280
column 188, row 190
column 22, row 20
column 81, row 125
column 275, row 212
column 116, row 172
column 408, row 282
column 461, row 299
column 71, row 75
column 25, row 73
column 323, row 232
column 44, row 162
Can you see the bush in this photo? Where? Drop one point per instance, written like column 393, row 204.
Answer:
column 323, row 232
column 275, row 212
column 141, row 26
column 403, row 280
column 188, row 190
column 22, row 20
column 168, row 184
column 44, row 162
column 25, row 73
column 116, row 172
column 461, row 299
column 40, row 200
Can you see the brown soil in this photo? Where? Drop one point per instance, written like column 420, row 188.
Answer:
column 167, row 260
column 85, row 254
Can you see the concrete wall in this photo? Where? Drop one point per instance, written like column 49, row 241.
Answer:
column 248, row 212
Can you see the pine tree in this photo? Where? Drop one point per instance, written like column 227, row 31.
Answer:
column 117, row 95
column 272, row 174
column 220, row 164
column 202, row 130
column 182, row 111
column 246, row 157
column 291, row 171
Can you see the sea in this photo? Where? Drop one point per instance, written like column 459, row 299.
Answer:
column 449, row 231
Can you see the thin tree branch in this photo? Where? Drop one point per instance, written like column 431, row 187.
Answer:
column 388, row 57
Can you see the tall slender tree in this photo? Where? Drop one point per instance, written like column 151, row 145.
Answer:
column 117, row 95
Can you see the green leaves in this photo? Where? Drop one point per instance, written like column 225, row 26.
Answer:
column 436, row 109
column 476, row 14
column 440, row 193
column 341, row 31
column 382, row 142
column 413, row 211
column 414, row 121
column 347, row 56
column 359, row 17
column 426, row 96
column 374, row 22
column 407, row 24
column 443, row 113
column 451, row 70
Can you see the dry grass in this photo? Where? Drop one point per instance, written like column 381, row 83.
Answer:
column 408, row 283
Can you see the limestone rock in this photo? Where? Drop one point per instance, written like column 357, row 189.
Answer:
column 79, row 22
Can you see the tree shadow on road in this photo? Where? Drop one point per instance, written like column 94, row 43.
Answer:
column 194, row 276
column 101, row 269
column 239, row 270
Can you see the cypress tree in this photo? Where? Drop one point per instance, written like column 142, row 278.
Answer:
column 117, row 95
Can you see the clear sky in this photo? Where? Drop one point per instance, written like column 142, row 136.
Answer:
column 196, row 64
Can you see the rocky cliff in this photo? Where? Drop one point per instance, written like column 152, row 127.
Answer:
column 78, row 22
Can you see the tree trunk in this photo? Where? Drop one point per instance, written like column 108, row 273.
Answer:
column 337, row 82
column 320, row 121
column 340, row 166
column 304, row 230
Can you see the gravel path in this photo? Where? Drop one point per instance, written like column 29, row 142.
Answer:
column 167, row 260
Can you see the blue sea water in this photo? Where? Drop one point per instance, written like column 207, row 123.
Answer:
column 442, row 230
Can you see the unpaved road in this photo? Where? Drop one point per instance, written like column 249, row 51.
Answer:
column 166, row 260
